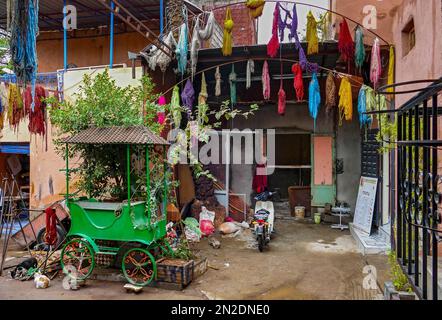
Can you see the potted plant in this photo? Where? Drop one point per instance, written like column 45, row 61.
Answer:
column 399, row 288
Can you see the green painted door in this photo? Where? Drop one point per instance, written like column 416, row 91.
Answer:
column 323, row 182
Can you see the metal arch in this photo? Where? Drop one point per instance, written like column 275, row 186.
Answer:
column 309, row 5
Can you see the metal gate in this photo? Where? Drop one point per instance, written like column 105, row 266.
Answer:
column 419, row 195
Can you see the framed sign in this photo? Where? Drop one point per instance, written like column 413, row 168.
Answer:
column 365, row 204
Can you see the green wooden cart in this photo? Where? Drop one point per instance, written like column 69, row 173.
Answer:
column 124, row 229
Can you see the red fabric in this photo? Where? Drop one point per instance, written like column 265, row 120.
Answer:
column 259, row 182
column 346, row 45
column 281, row 101
column 51, row 226
column 36, row 117
column 273, row 45
column 298, row 82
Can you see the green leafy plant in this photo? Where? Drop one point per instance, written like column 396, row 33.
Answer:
column 398, row 277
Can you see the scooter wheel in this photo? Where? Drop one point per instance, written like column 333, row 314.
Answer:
column 261, row 241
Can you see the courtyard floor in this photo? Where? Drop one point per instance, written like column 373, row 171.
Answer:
column 303, row 261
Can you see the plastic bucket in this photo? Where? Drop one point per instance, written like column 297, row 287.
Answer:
column 317, row 217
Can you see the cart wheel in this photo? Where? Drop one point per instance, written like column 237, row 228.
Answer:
column 139, row 266
column 77, row 259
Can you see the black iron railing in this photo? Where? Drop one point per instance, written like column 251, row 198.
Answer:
column 419, row 190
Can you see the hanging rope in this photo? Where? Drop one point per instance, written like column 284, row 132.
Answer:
column 182, row 49
column 265, row 81
column 188, row 97
column 345, row 101
column 362, row 106
column 345, row 44
column 314, row 98
column 217, row 82
column 232, row 81
column 360, row 48
column 161, row 113
column 202, row 97
column 273, row 45
column 391, row 62
column 249, row 70
column 298, row 82
column 330, row 93
column 227, row 37
column 198, row 37
column 175, row 107
column 255, row 7
column 312, row 34
column 375, row 67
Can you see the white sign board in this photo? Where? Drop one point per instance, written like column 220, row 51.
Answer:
column 365, row 204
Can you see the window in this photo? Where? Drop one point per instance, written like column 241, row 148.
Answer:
column 408, row 37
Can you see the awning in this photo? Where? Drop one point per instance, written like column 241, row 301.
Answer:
column 15, row 148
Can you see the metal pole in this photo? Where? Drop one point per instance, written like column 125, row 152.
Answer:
column 161, row 18
column 67, row 173
column 148, row 184
column 165, row 183
column 128, row 174
column 111, row 47
column 416, row 196
column 65, row 39
column 425, row 205
column 435, row 204
column 399, row 190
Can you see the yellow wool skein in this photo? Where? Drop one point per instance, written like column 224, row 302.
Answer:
column 256, row 7
column 391, row 63
column 345, row 101
column 227, row 38
column 312, row 34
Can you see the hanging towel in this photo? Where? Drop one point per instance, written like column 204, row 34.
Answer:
column 360, row 48
column 256, row 7
column 182, row 49
column 217, row 82
column 298, row 82
column 232, row 81
column 391, row 63
column 161, row 113
column 312, row 34
column 188, row 97
column 202, row 98
column 362, row 106
column 227, row 37
column 265, row 81
column 345, row 44
column 375, row 67
column 249, row 70
column 345, row 101
column 158, row 57
column 314, row 98
column 199, row 35
column 273, row 45
column 175, row 108
column 330, row 93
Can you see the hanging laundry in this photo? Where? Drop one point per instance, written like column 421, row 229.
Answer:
column 217, row 82
column 161, row 113
column 314, row 98
column 227, row 38
column 375, row 67
column 259, row 182
column 255, row 7
column 362, row 107
column 345, row 101
column 249, row 70
column 312, row 34
column 37, row 123
column 16, row 112
column 293, row 35
column 283, row 24
column 188, row 97
column 265, row 81
column 298, row 82
column 232, row 81
column 360, row 48
column 330, row 93
column 182, row 49
column 3, row 103
column 326, row 27
column 281, row 100
column 370, row 98
column 202, row 97
column 345, row 44
column 175, row 108
column 156, row 57
column 391, row 62
column 198, row 37
column 273, row 45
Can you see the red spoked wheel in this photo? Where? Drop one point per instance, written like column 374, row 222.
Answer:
column 139, row 267
column 77, row 259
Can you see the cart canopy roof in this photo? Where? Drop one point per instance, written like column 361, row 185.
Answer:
column 117, row 135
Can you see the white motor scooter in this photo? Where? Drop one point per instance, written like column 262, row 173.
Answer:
column 263, row 221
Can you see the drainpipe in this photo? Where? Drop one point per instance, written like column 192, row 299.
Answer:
column 111, row 47
column 161, row 18
column 65, row 39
